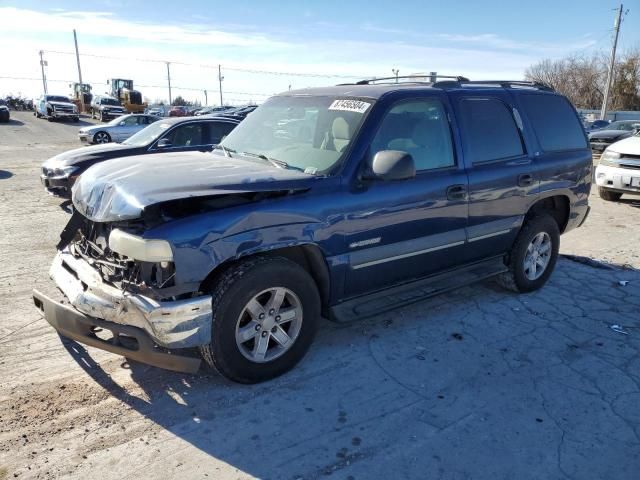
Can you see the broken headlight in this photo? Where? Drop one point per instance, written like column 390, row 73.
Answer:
column 139, row 248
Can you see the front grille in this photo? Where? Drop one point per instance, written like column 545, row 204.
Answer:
column 63, row 108
column 92, row 243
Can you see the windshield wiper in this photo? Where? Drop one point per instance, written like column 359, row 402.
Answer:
column 227, row 151
column 272, row 161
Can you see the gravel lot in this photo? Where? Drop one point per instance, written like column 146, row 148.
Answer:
column 478, row 383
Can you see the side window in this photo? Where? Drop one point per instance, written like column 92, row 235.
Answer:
column 420, row 128
column 219, row 130
column 189, row 135
column 553, row 119
column 489, row 129
column 131, row 121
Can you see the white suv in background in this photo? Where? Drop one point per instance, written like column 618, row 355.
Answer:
column 618, row 171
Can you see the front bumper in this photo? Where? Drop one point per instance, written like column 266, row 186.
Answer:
column 55, row 183
column 55, row 114
column 83, row 137
column 171, row 324
column 618, row 178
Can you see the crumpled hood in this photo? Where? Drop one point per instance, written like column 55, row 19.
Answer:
column 121, row 189
column 82, row 154
column 607, row 134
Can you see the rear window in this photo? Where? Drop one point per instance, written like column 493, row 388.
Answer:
column 489, row 129
column 554, row 121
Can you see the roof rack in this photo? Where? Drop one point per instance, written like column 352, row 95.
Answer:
column 501, row 83
column 411, row 78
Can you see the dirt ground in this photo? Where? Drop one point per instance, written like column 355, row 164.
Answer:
column 477, row 383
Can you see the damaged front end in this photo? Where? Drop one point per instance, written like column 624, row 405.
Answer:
column 109, row 290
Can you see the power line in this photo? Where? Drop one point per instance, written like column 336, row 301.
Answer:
column 173, row 87
column 204, row 65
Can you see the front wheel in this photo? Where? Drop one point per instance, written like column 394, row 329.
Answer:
column 265, row 315
column 533, row 255
column 608, row 195
column 101, row 137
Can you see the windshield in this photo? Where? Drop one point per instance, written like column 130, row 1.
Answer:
column 56, row 98
column 110, row 101
column 307, row 133
column 148, row 134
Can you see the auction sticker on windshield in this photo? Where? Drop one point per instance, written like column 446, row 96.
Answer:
column 357, row 106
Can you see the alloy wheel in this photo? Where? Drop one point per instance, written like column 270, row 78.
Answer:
column 537, row 256
column 269, row 324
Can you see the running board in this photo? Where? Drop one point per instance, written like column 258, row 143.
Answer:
column 414, row 292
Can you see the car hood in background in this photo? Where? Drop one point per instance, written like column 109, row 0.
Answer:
column 121, row 189
column 60, row 104
column 629, row 146
column 92, row 152
column 607, row 134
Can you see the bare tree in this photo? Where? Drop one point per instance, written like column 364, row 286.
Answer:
column 582, row 79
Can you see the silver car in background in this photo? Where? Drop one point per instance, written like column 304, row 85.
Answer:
column 117, row 130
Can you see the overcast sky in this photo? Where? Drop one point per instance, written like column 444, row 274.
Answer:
column 480, row 40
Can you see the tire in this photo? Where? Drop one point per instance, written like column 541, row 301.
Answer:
column 50, row 119
column 608, row 195
column 102, row 117
column 232, row 293
column 101, row 137
column 76, row 119
column 520, row 278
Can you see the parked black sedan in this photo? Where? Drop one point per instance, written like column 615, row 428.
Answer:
column 59, row 173
column 615, row 131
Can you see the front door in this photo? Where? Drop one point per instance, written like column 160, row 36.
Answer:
column 403, row 230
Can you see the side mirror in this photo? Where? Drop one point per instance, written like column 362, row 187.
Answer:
column 392, row 165
column 164, row 143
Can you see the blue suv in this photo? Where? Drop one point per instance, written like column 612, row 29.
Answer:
column 340, row 202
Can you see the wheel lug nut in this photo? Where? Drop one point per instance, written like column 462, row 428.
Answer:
column 257, row 328
column 273, row 330
column 278, row 318
column 272, row 311
column 264, row 334
column 261, row 316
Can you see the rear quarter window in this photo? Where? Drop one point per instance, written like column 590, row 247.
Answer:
column 554, row 122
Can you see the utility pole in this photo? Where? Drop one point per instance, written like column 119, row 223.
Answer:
column 206, row 99
column 43, row 63
column 395, row 72
column 75, row 40
column 605, row 101
column 220, row 78
column 169, row 82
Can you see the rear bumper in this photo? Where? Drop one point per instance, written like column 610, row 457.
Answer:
column 127, row 341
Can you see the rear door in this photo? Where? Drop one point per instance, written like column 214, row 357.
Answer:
column 502, row 178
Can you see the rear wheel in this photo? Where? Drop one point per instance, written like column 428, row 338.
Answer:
column 101, row 137
column 533, row 255
column 609, row 195
column 265, row 315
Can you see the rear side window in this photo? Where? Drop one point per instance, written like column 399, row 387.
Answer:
column 489, row 129
column 554, row 121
